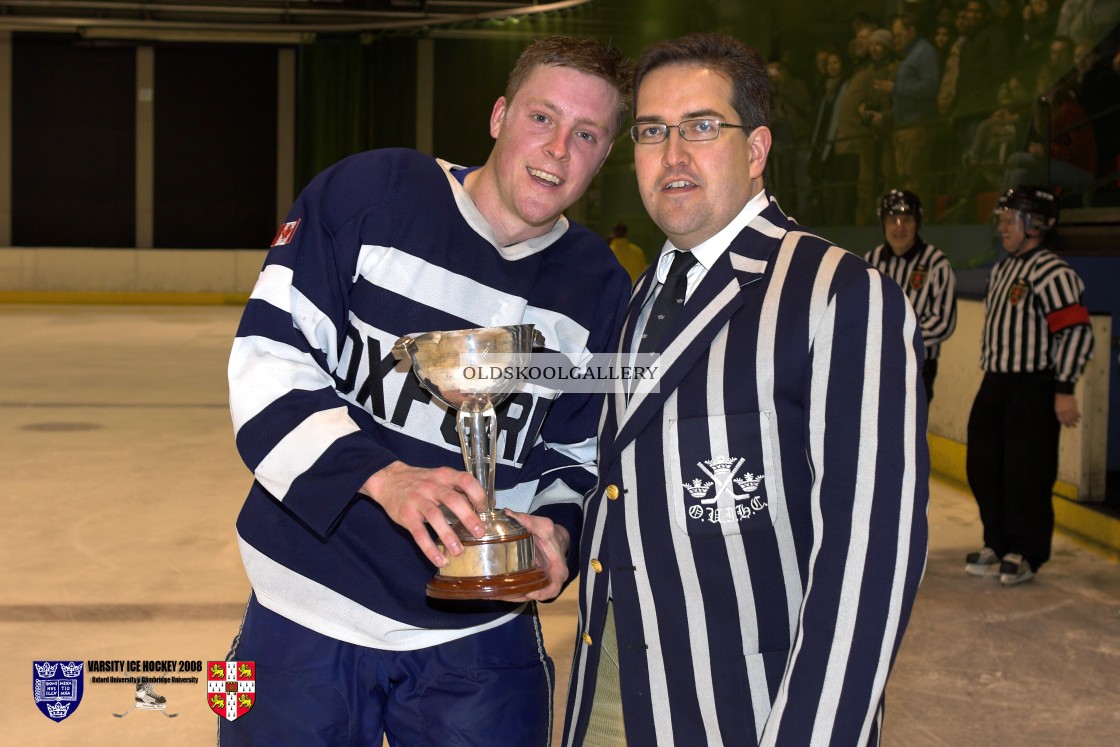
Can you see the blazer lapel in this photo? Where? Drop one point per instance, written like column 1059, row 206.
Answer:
column 715, row 299
column 642, row 290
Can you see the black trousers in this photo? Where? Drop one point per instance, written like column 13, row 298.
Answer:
column 1013, row 461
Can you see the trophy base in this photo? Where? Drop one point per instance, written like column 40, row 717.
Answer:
column 486, row 587
column 498, row 564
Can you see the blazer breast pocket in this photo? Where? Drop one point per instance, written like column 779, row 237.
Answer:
column 720, row 465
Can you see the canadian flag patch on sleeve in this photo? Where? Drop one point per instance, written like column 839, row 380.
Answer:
column 286, row 233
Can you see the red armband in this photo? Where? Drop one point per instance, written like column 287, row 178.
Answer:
column 1070, row 316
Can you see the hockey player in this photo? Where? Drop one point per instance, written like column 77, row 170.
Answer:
column 354, row 462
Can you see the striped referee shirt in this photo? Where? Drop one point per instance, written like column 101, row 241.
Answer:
column 1034, row 319
column 925, row 275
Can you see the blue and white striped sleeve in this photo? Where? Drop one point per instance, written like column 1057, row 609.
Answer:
column 302, row 441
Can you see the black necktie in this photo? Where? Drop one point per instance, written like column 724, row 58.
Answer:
column 669, row 301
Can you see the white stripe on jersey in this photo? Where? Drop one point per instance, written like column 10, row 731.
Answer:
column 274, row 286
column 301, row 447
column 459, row 295
column 289, row 369
column 340, row 617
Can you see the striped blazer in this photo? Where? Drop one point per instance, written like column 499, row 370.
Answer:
column 760, row 519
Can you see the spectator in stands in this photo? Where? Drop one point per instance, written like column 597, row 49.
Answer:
column 1040, row 17
column 997, row 137
column 854, row 134
column 820, row 75
column 1007, row 20
column 791, row 108
column 1070, row 162
column 832, row 175
column 944, row 12
column 983, row 66
column 1087, row 20
column 913, row 103
column 876, row 112
column 943, row 37
column 1060, row 59
column 950, row 73
column 1098, row 90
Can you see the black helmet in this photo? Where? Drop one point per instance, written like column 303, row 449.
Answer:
column 900, row 202
column 1037, row 201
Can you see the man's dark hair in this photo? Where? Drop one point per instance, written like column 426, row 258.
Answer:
column 740, row 64
column 583, row 54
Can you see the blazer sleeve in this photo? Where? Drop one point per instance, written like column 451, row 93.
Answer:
column 866, row 445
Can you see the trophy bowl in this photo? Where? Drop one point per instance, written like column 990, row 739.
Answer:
column 454, row 366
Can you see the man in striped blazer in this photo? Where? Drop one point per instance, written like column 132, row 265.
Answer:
column 753, row 547
column 922, row 270
column 1036, row 341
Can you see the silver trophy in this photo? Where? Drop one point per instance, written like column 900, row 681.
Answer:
column 452, row 366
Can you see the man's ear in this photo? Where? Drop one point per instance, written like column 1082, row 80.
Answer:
column 761, row 140
column 606, row 155
column 497, row 117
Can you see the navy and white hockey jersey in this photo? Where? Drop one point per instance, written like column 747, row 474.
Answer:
column 383, row 244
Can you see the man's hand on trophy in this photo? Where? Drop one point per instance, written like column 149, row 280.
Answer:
column 413, row 497
column 550, row 548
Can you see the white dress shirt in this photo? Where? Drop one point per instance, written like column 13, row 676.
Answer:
column 706, row 253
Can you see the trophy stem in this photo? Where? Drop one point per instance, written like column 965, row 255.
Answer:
column 478, row 437
column 502, row 561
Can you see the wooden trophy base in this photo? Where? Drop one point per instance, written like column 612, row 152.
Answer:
column 487, row 587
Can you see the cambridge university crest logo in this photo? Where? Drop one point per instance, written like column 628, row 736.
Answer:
column 231, row 688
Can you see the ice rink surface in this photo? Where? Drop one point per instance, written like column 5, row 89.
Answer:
column 120, row 484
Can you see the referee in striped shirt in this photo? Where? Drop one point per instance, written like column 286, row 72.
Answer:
column 922, row 271
column 1035, row 345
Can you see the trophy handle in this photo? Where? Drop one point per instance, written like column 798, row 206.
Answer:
column 403, row 348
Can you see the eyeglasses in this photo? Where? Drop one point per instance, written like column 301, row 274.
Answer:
column 651, row 133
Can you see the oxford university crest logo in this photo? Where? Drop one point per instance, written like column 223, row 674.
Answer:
column 231, row 688
column 58, row 688
column 725, row 480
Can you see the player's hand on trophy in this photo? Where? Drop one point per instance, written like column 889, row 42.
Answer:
column 415, row 496
column 550, row 550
